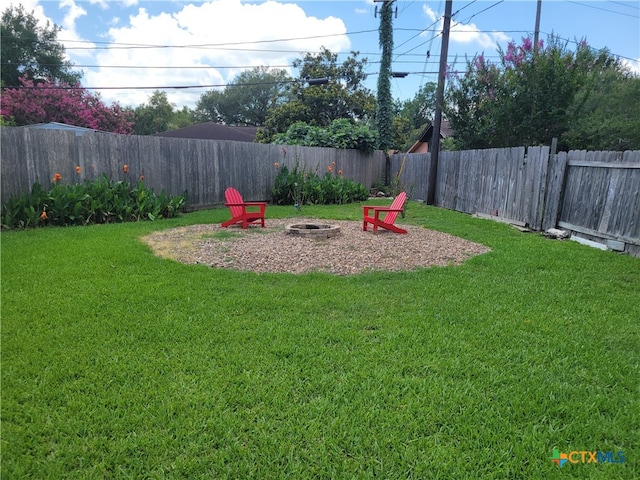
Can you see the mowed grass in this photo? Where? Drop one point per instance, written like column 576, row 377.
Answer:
column 120, row 364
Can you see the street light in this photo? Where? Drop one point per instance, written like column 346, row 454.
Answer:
column 317, row 81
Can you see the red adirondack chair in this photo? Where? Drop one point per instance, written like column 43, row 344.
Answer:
column 388, row 219
column 243, row 212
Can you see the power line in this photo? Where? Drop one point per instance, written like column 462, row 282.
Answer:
column 164, row 87
column 635, row 7
column 178, row 87
column 604, row 9
column 466, row 21
column 599, row 50
column 119, row 46
column 461, row 23
column 167, row 67
column 460, row 9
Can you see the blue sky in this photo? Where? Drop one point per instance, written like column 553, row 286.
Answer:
column 160, row 44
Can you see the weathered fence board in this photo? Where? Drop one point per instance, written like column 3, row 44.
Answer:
column 555, row 189
column 598, row 192
column 499, row 182
column 594, row 192
column 204, row 168
column 602, row 195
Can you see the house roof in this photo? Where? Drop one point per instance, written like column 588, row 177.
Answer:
column 62, row 126
column 213, row 131
column 427, row 134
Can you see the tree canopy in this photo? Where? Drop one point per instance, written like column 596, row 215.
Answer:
column 246, row 100
column 342, row 96
column 609, row 114
column 341, row 133
column 412, row 116
column 44, row 102
column 530, row 97
column 159, row 115
column 28, row 49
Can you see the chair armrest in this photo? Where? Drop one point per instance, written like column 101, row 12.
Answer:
column 244, row 204
column 381, row 209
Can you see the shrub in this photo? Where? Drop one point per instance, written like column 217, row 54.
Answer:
column 95, row 201
column 342, row 133
column 298, row 186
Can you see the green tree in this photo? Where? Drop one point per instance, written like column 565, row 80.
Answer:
column 182, row 118
column 32, row 51
column 247, row 99
column 384, row 105
column 532, row 96
column 342, row 96
column 609, row 114
column 412, row 116
column 159, row 115
column 341, row 133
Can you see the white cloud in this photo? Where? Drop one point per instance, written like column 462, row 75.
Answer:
column 470, row 34
column 102, row 3
column 74, row 12
column 229, row 33
column 466, row 34
column 68, row 35
column 429, row 13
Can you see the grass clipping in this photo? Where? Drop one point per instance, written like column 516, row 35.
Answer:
column 271, row 250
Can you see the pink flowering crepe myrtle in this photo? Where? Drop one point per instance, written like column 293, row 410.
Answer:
column 45, row 101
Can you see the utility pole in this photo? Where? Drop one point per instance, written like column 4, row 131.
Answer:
column 536, row 32
column 437, row 121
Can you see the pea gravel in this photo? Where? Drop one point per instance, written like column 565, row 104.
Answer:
column 352, row 251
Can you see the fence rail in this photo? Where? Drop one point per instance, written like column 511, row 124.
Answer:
column 594, row 194
column 601, row 196
column 203, row 168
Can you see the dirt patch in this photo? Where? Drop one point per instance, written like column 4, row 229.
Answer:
column 270, row 249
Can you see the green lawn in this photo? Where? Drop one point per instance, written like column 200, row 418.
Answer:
column 119, row 364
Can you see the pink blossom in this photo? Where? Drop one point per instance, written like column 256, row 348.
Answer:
column 50, row 102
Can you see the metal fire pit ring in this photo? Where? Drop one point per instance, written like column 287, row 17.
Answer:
column 312, row 230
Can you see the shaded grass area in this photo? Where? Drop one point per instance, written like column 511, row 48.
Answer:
column 119, row 364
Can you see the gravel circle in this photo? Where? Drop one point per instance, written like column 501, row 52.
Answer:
column 271, row 250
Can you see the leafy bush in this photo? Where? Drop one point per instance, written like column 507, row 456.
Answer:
column 95, row 201
column 342, row 133
column 298, row 186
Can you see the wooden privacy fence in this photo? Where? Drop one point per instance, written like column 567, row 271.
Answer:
column 599, row 197
column 203, row 168
column 508, row 182
column 596, row 195
column 593, row 194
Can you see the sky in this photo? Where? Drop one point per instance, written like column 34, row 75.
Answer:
column 127, row 49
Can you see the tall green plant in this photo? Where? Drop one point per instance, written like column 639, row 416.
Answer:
column 299, row 186
column 384, row 107
column 95, row 201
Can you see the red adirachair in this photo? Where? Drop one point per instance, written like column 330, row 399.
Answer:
column 387, row 222
column 243, row 212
